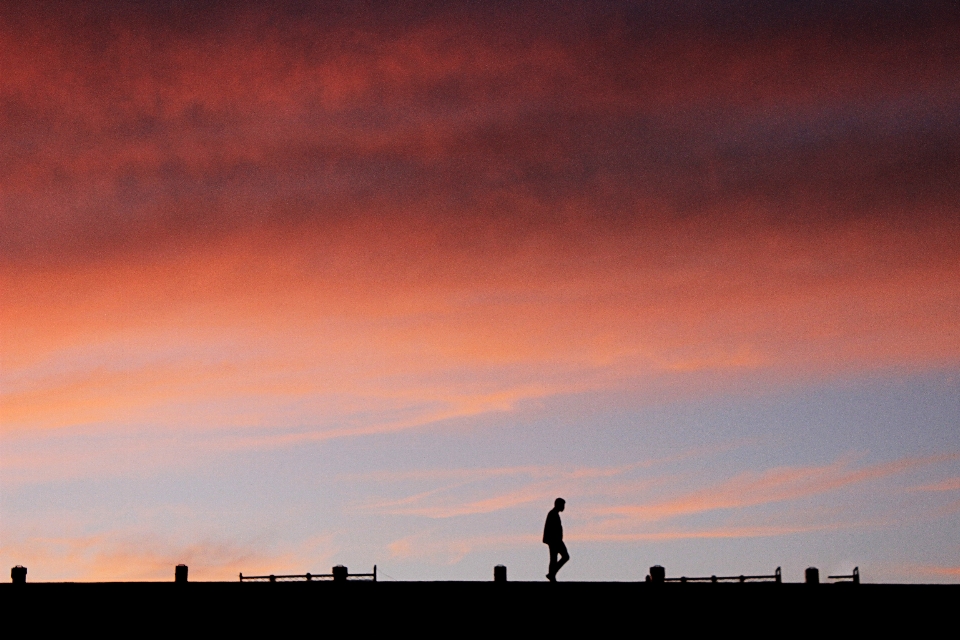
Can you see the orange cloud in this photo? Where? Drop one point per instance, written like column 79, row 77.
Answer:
column 246, row 224
column 456, row 333
column 127, row 556
column 946, row 572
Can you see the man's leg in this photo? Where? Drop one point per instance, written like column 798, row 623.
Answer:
column 564, row 556
column 552, row 572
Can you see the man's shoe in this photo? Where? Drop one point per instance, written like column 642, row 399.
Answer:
column 551, row 578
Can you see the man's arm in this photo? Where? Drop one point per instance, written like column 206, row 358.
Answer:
column 552, row 530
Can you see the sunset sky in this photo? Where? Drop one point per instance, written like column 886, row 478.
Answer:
column 286, row 285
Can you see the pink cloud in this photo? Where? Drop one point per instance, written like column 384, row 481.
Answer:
column 434, row 549
column 468, row 494
column 944, row 572
column 775, row 485
column 708, row 533
column 950, row 484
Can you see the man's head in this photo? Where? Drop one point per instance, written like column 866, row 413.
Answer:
column 558, row 504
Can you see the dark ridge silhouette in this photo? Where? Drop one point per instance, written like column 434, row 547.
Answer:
column 497, row 607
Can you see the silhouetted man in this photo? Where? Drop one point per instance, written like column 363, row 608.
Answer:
column 553, row 536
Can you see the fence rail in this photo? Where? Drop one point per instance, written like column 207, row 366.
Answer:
column 853, row 577
column 339, row 574
column 776, row 577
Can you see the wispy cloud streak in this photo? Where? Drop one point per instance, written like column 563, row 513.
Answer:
column 540, row 485
column 775, row 485
column 950, row 484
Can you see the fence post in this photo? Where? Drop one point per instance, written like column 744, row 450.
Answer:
column 779, row 578
column 340, row 573
column 657, row 574
column 812, row 575
column 18, row 575
column 856, row 575
column 374, row 573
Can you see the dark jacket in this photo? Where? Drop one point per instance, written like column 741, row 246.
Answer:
column 552, row 529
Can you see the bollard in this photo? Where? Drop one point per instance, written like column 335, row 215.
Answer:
column 499, row 573
column 180, row 573
column 812, row 575
column 18, row 575
column 339, row 573
column 657, row 574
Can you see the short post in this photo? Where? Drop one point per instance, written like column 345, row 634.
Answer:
column 778, row 576
column 340, row 573
column 18, row 575
column 856, row 575
column 273, row 578
column 657, row 574
column 180, row 573
column 812, row 575
column 500, row 573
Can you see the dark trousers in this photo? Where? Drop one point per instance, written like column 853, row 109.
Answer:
column 558, row 549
